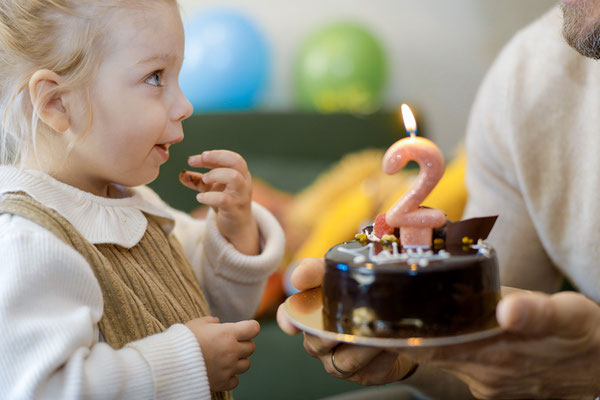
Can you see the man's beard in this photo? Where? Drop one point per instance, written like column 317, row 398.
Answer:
column 579, row 32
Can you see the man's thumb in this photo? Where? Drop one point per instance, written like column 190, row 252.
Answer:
column 565, row 314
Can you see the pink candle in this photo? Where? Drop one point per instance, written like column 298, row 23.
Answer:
column 416, row 224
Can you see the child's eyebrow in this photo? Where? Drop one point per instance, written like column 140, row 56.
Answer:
column 166, row 57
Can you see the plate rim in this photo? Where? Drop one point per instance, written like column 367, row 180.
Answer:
column 390, row 342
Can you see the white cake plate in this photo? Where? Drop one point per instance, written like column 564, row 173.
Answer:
column 305, row 311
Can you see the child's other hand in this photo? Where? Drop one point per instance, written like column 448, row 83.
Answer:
column 226, row 348
column 227, row 188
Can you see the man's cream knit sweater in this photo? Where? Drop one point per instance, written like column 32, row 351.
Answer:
column 533, row 146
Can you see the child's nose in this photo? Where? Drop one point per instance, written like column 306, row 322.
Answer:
column 183, row 108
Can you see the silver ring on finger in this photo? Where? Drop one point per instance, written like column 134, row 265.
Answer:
column 345, row 374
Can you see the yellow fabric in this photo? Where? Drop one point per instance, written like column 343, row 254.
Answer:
column 316, row 199
column 146, row 288
column 355, row 191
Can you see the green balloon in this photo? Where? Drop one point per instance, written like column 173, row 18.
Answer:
column 341, row 68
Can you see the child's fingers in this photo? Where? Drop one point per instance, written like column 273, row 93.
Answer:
column 231, row 178
column 231, row 383
column 246, row 330
column 242, row 366
column 215, row 199
column 246, row 348
column 200, row 323
column 220, row 159
column 209, row 319
column 193, row 180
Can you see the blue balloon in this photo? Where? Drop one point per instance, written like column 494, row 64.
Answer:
column 226, row 61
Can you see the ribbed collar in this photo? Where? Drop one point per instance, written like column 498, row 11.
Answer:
column 99, row 219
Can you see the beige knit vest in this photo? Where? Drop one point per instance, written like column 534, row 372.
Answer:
column 146, row 288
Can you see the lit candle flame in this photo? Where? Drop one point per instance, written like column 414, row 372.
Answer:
column 409, row 120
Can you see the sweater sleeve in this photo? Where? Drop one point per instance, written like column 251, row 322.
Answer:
column 493, row 175
column 232, row 282
column 50, row 305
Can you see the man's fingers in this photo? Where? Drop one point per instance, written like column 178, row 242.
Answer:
column 308, row 274
column 246, row 330
column 316, row 347
column 454, row 352
column 350, row 358
column 284, row 322
column 564, row 314
column 384, row 368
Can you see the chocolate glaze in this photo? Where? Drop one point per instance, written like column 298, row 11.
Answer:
column 447, row 296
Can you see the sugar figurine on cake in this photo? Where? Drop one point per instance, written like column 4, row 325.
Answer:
column 413, row 273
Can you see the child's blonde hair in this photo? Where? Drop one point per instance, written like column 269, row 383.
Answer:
column 64, row 36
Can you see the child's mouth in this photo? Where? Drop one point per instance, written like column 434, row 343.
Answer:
column 163, row 150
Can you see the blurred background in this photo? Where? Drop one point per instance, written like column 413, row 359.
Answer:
column 437, row 51
column 308, row 92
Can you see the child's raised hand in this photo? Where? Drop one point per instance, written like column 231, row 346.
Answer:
column 227, row 188
column 226, row 348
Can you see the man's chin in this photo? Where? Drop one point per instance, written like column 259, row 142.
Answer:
column 581, row 27
column 569, row 3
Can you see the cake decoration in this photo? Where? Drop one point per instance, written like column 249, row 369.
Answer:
column 416, row 223
column 412, row 273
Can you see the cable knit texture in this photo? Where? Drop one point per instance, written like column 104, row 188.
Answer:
column 51, row 302
column 146, row 288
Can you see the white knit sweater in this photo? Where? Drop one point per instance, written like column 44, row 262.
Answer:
column 533, row 146
column 50, row 301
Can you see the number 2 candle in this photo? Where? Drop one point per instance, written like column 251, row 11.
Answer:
column 416, row 224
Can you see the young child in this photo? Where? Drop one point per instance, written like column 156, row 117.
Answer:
column 105, row 291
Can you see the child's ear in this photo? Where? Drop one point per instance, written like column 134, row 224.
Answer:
column 47, row 101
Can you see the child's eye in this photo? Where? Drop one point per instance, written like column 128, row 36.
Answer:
column 154, row 79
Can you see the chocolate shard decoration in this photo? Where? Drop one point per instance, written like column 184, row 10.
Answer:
column 473, row 228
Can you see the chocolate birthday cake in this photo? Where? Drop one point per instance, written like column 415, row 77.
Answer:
column 375, row 287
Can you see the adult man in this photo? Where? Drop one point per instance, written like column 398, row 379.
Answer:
column 532, row 146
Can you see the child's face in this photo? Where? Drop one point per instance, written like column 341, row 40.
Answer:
column 136, row 102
